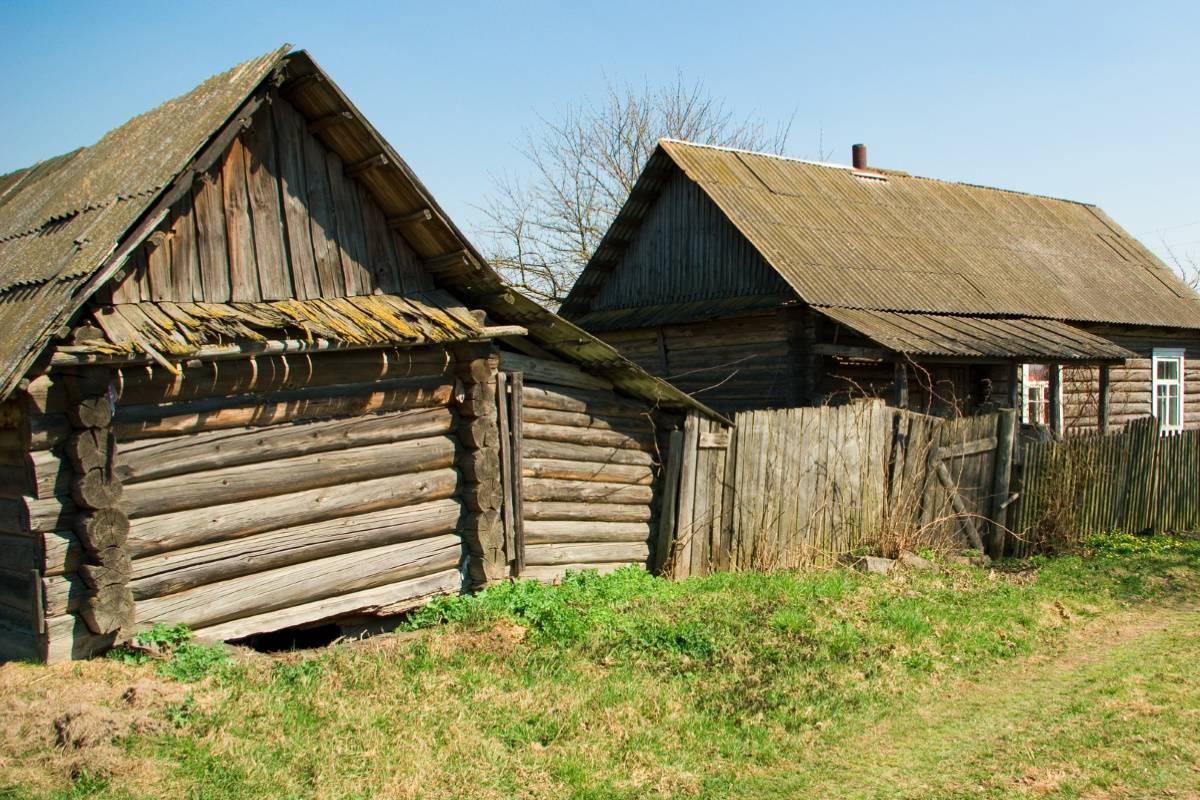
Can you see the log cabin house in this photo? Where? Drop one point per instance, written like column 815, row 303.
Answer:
column 757, row 281
column 253, row 378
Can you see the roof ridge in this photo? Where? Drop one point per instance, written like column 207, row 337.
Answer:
column 889, row 173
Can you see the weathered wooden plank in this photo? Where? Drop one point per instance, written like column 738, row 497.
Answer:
column 322, row 217
column 566, row 491
column 177, row 570
column 293, row 190
column 134, row 424
column 392, row 598
column 351, row 242
column 582, row 401
column 538, row 555
column 68, row 637
column 685, row 527
column 555, row 574
column 136, row 385
column 159, row 458
column 566, row 451
column 588, row 436
column 164, row 532
column 266, row 212
column 239, row 230
column 25, row 514
column 585, row 471
column 565, row 532
column 381, row 251
column 586, row 511
column 538, row 370
column 634, row 427
column 517, row 418
column 208, row 202
column 158, row 267
column 268, row 591
column 264, row 479
column 510, row 484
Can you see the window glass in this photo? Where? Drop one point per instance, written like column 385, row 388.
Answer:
column 1168, row 388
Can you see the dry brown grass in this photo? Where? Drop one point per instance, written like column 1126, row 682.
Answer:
column 62, row 722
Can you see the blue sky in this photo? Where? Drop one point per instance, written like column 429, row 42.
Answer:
column 1091, row 101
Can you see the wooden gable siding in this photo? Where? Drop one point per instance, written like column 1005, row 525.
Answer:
column 276, row 218
column 729, row 364
column 685, row 249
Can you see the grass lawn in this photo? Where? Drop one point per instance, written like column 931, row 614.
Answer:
column 1060, row 677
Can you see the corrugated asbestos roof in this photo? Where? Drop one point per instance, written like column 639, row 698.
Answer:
column 977, row 337
column 182, row 329
column 892, row 242
column 61, row 219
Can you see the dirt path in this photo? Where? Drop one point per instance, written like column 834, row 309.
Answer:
column 1048, row 726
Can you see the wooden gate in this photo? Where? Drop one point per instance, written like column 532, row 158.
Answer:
column 955, row 473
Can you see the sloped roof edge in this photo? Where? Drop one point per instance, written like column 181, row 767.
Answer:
column 1080, row 266
column 455, row 262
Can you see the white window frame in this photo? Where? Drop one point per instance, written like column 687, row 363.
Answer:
column 1027, row 384
column 1161, row 354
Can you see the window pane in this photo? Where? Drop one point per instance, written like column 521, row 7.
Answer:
column 1168, row 369
column 1037, row 372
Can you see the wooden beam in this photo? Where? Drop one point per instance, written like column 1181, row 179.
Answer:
column 1104, row 411
column 328, row 121
column 1014, row 386
column 420, row 215
column 1056, row 409
column 302, row 81
column 516, row 413
column 901, row 385
column 449, row 262
column 377, row 160
column 849, row 351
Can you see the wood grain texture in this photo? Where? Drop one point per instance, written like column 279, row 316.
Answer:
column 164, row 532
column 178, row 570
column 266, row 478
column 239, row 229
column 312, row 580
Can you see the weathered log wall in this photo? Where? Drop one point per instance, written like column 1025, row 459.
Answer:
column 1131, row 384
column 237, row 497
column 589, row 466
column 63, row 568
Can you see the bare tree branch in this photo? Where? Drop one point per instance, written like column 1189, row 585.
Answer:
column 540, row 233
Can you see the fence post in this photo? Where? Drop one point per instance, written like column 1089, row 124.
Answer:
column 666, row 514
column 685, row 526
column 1002, row 480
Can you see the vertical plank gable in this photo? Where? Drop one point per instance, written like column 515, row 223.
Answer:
column 382, row 261
column 239, row 231
column 289, row 140
column 207, row 200
column 322, row 220
column 270, row 251
column 348, row 226
column 185, row 259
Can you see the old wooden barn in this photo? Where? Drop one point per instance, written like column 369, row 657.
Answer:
column 254, row 378
column 756, row 281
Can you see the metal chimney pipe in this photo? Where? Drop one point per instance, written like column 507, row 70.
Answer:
column 859, row 156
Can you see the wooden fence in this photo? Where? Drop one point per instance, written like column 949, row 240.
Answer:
column 797, row 486
column 1140, row 479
